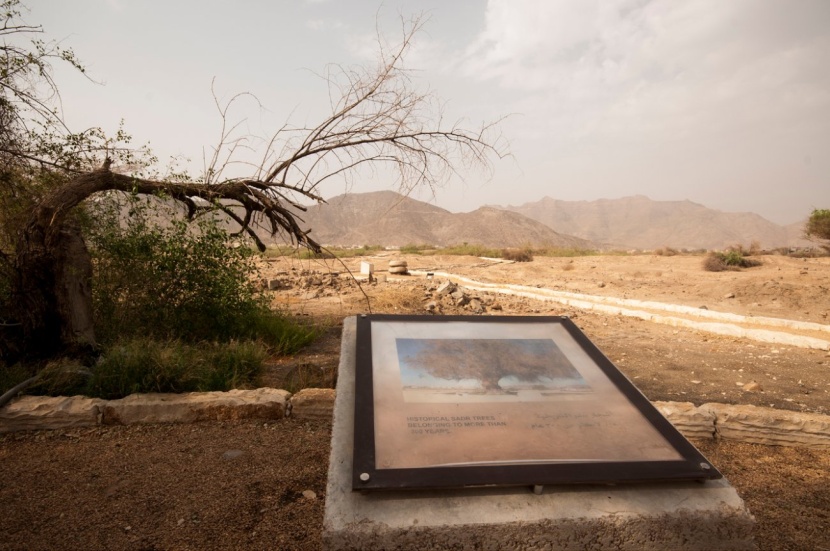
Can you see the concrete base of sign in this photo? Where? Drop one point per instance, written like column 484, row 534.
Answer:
column 676, row 516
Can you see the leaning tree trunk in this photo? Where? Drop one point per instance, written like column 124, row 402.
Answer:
column 53, row 291
column 53, row 274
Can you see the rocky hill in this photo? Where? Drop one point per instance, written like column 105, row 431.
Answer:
column 391, row 219
column 641, row 223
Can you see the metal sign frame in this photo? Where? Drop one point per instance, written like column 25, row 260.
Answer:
column 421, row 426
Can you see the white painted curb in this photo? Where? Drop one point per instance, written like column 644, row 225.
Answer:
column 615, row 306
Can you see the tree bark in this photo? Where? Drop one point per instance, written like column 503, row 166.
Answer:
column 53, row 292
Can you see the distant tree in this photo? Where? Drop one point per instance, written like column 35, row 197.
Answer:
column 818, row 227
column 490, row 360
column 377, row 118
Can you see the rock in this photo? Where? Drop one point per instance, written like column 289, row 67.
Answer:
column 704, row 307
column 262, row 403
column 432, row 306
column 313, row 403
column 232, row 454
column 397, row 263
column 475, row 306
column 311, row 495
column 445, row 288
column 47, row 412
column 729, row 295
column 273, row 284
column 400, row 270
column 752, row 387
column 773, row 427
column 691, row 421
column 460, row 297
column 601, row 284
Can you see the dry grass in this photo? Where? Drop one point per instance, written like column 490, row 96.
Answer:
column 392, row 298
column 714, row 263
column 518, row 255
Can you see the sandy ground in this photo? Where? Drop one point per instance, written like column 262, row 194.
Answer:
column 255, row 485
column 665, row 362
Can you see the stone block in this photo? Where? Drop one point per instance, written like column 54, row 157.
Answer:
column 690, row 420
column 769, row 426
column 445, row 288
column 367, row 268
column 313, row 403
column 47, row 412
column 675, row 516
column 262, row 403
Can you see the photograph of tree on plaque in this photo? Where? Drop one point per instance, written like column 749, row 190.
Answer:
column 485, row 370
column 533, row 394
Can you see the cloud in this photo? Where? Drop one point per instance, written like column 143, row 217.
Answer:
column 658, row 67
column 324, row 24
column 115, row 5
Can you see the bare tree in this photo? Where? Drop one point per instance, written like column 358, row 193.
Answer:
column 377, row 118
column 490, row 360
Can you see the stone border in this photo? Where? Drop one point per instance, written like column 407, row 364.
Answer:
column 45, row 412
column 753, row 424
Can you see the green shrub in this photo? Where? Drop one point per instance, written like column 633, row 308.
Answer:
column 280, row 333
column 413, row 248
column 818, row 227
column 714, row 262
column 171, row 281
column 729, row 260
column 143, row 365
column 233, row 365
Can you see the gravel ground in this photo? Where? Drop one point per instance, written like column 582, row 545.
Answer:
column 254, row 485
column 231, row 485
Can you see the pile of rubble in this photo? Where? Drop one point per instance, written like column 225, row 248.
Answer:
column 309, row 283
column 447, row 297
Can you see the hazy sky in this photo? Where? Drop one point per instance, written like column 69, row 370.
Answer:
column 722, row 102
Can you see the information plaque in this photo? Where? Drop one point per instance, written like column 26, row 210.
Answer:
column 457, row 401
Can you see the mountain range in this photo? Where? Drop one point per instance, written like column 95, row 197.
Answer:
column 641, row 223
column 391, row 219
